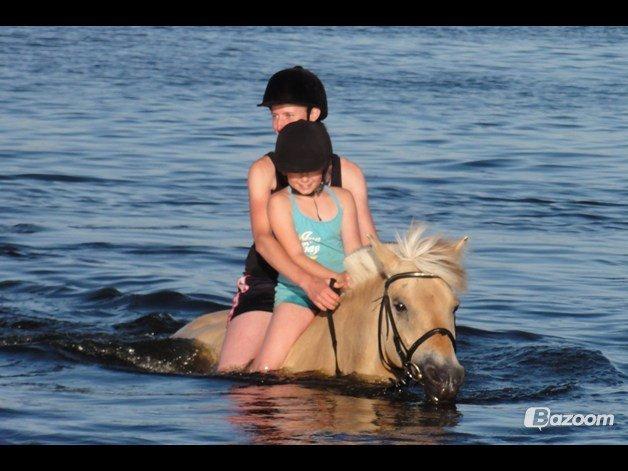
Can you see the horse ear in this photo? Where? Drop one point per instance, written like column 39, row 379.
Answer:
column 461, row 244
column 384, row 255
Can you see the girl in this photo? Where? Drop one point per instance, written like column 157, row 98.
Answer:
column 315, row 224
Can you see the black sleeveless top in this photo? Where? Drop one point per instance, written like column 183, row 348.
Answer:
column 255, row 264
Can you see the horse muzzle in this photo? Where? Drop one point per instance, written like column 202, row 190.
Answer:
column 441, row 381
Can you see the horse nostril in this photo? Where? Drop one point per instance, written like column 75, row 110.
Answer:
column 442, row 381
column 444, row 378
column 434, row 374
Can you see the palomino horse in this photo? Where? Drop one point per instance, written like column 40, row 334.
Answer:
column 395, row 322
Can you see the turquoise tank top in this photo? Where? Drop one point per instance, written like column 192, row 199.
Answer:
column 321, row 241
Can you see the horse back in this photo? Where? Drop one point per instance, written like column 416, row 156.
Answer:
column 209, row 329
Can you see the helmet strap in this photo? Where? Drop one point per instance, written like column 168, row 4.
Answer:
column 309, row 111
column 326, row 175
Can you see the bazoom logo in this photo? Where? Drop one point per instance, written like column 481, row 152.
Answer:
column 541, row 417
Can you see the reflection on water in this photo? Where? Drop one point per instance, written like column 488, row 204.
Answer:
column 294, row 414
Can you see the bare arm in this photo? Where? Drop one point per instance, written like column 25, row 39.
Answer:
column 259, row 182
column 350, row 229
column 281, row 223
column 260, row 179
column 354, row 181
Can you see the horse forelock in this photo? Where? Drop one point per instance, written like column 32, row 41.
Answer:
column 431, row 254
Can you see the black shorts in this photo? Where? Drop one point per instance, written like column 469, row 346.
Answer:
column 253, row 294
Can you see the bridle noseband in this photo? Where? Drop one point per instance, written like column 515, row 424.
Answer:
column 408, row 369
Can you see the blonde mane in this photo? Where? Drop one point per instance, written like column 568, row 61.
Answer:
column 431, row 254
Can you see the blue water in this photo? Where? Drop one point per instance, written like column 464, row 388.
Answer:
column 123, row 215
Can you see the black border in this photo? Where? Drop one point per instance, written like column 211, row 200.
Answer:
column 320, row 13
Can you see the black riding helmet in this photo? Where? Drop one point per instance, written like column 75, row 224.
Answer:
column 297, row 86
column 302, row 146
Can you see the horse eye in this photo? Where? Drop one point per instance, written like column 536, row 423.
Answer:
column 456, row 308
column 400, row 307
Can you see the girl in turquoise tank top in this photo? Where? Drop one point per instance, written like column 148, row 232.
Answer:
column 314, row 223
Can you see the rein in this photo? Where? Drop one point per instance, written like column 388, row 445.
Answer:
column 332, row 328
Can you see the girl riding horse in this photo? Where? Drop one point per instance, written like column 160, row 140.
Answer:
column 315, row 224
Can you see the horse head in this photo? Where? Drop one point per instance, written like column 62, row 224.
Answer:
column 417, row 330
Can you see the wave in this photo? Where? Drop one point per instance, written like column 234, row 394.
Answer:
column 162, row 299
column 52, row 177
column 22, row 228
column 518, row 366
column 105, row 302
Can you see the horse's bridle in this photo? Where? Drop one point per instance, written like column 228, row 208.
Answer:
column 408, row 369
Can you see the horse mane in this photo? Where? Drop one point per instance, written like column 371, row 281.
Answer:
column 431, row 254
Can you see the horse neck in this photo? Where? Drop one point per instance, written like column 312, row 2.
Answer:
column 357, row 328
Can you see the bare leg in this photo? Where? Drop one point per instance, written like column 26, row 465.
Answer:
column 243, row 339
column 288, row 323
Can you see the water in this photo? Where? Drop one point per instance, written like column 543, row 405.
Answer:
column 123, row 157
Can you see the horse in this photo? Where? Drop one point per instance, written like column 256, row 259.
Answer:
column 398, row 292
